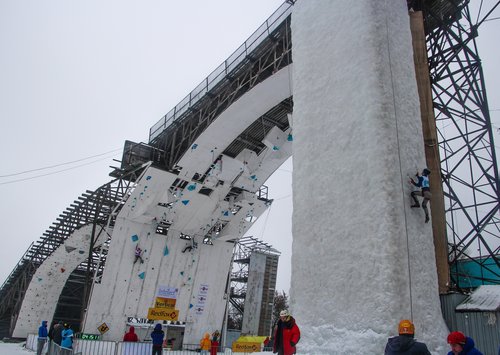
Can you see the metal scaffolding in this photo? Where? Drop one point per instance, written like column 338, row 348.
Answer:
column 239, row 278
column 469, row 169
column 92, row 207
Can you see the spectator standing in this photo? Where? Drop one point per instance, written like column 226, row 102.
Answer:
column 461, row 344
column 205, row 344
column 130, row 335
column 42, row 337
column 157, row 336
column 287, row 335
column 405, row 344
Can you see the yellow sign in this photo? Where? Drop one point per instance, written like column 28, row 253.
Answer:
column 163, row 314
column 165, row 303
column 103, row 328
column 246, row 347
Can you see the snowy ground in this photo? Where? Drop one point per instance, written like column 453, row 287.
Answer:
column 13, row 349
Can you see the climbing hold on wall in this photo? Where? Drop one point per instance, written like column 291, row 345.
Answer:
column 69, row 249
column 185, row 202
column 290, row 137
column 63, row 269
column 191, row 187
column 141, row 275
column 194, row 146
column 148, row 177
column 81, row 252
column 275, row 147
column 134, row 238
column 165, row 251
column 182, row 273
column 191, row 305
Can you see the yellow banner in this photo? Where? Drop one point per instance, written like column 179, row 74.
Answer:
column 163, row 314
column 165, row 303
column 245, row 347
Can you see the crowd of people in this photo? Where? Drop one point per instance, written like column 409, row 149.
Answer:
column 286, row 335
column 60, row 335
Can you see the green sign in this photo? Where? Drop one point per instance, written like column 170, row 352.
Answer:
column 84, row 336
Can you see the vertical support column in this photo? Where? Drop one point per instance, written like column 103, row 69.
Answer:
column 431, row 149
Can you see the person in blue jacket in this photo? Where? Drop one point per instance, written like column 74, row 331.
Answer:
column 67, row 339
column 42, row 337
column 423, row 183
column 157, row 335
column 461, row 344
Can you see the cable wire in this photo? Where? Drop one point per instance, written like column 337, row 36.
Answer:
column 54, row 166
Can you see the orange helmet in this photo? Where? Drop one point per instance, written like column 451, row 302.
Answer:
column 406, row 327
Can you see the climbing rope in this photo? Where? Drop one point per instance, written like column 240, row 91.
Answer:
column 399, row 156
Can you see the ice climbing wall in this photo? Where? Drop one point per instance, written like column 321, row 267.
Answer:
column 253, row 297
column 48, row 281
column 362, row 258
column 190, row 208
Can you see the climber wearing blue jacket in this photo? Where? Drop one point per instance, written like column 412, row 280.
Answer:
column 423, row 183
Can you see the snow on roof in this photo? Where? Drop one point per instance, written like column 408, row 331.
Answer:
column 484, row 298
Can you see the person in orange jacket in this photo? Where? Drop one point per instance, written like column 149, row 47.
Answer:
column 287, row 335
column 205, row 344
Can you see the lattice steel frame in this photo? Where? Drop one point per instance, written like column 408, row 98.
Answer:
column 468, row 161
column 93, row 207
column 239, row 275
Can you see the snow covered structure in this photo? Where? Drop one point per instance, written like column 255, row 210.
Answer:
column 355, row 93
column 200, row 219
column 50, row 278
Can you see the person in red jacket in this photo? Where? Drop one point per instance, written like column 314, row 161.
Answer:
column 131, row 336
column 287, row 335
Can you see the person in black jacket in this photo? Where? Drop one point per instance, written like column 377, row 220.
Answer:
column 405, row 344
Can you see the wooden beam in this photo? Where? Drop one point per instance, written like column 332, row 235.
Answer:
column 431, row 149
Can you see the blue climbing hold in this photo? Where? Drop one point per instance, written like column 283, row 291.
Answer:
column 253, row 177
column 135, row 238
column 290, row 137
column 182, row 272
column 185, row 202
column 276, row 147
column 191, row 305
column 226, row 213
column 165, row 251
column 191, row 187
column 148, row 177
column 194, row 146
column 141, row 275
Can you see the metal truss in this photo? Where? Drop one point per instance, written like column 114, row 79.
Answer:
column 267, row 51
column 468, row 162
column 92, row 207
column 243, row 250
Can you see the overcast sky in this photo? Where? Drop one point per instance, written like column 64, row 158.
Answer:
column 78, row 78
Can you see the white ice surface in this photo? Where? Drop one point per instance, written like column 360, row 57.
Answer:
column 362, row 259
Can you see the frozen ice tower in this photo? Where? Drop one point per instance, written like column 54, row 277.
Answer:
column 362, row 258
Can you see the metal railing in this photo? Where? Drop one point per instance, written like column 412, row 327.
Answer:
column 103, row 347
column 222, row 70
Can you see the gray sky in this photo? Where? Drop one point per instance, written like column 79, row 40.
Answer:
column 79, row 78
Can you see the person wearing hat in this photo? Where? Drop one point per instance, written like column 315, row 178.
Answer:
column 405, row 344
column 287, row 334
column 67, row 339
column 425, row 192
column 461, row 344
